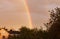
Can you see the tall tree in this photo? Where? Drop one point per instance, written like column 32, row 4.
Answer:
column 54, row 30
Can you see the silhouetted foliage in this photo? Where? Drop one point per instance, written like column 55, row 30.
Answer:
column 42, row 34
column 26, row 33
column 54, row 24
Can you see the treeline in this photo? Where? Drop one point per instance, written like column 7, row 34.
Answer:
column 26, row 33
column 53, row 29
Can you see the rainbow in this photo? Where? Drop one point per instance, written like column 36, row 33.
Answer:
column 28, row 13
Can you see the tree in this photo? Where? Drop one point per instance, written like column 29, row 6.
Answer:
column 26, row 33
column 54, row 24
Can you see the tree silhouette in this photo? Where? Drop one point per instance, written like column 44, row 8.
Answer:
column 54, row 24
column 26, row 33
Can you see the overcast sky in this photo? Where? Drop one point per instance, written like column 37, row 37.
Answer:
column 13, row 12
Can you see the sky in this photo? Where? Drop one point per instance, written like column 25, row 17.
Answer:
column 13, row 13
